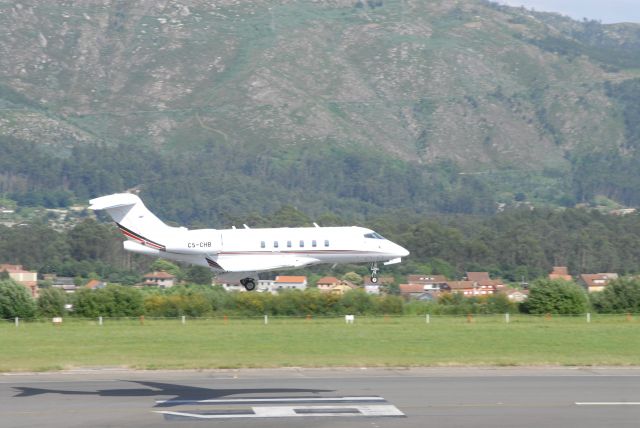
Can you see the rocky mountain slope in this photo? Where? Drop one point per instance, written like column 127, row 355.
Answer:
column 485, row 86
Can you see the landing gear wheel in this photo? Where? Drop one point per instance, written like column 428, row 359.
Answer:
column 374, row 272
column 248, row 283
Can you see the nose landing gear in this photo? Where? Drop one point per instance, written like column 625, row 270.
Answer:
column 374, row 272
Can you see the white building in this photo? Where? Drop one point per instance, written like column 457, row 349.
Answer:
column 284, row 282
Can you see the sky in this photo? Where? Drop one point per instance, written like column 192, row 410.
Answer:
column 607, row 11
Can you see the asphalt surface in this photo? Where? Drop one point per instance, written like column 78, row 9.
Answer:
column 426, row 397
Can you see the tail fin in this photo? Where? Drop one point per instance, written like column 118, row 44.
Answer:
column 135, row 221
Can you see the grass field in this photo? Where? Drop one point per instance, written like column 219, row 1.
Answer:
column 402, row 341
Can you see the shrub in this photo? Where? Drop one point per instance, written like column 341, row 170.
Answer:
column 112, row 301
column 556, row 297
column 15, row 300
column 620, row 296
column 51, row 302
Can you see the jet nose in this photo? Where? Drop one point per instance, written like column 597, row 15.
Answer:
column 401, row 251
column 404, row 252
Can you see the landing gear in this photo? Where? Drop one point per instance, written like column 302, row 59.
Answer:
column 374, row 272
column 248, row 283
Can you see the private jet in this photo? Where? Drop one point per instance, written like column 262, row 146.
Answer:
column 239, row 254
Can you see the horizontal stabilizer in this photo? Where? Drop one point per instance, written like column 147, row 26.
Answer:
column 113, row 201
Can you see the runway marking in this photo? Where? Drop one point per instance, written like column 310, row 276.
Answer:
column 275, row 400
column 289, row 411
column 609, row 403
column 283, row 407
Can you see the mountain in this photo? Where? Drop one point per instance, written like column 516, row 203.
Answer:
column 335, row 105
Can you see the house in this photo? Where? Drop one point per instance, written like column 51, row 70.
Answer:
column 65, row 283
column 481, row 284
column 623, row 211
column 331, row 284
column 95, row 284
column 478, row 276
column 264, row 285
column 287, row 282
column 343, row 287
column 327, row 283
column 417, row 291
column 596, row 281
column 431, row 282
column 160, row 279
column 411, row 290
column 21, row 276
column 466, row 288
column 377, row 287
column 560, row 272
column 515, row 295
column 372, row 288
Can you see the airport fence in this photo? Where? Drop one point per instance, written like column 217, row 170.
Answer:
column 426, row 319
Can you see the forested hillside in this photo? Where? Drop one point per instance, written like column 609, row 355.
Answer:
column 339, row 106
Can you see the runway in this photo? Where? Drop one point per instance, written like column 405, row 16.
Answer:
column 420, row 397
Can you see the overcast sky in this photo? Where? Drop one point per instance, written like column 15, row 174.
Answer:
column 607, row 11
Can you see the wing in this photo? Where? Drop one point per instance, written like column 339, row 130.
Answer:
column 256, row 263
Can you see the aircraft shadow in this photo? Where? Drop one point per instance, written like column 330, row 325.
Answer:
column 180, row 393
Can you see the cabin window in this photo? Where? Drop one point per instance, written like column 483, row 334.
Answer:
column 275, row 244
column 326, row 242
column 263, row 244
column 301, row 243
column 288, row 244
column 314, row 243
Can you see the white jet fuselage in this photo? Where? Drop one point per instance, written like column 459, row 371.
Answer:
column 243, row 251
column 265, row 249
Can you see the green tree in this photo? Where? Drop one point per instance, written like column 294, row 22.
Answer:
column 356, row 302
column 619, row 296
column 15, row 301
column 51, row 302
column 353, row 278
column 167, row 266
column 288, row 216
column 556, row 297
column 128, row 301
column 389, row 304
column 91, row 303
column 198, row 275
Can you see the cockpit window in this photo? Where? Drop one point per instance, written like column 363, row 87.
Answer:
column 373, row 235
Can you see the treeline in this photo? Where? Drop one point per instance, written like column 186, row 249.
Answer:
column 213, row 181
column 88, row 250
column 516, row 245
column 521, row 244
column 545, row 297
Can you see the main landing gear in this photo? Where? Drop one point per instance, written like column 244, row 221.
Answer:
column 248, row 283
column 374, row 272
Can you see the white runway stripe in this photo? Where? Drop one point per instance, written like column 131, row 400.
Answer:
column 275, row 400
column 295, row 411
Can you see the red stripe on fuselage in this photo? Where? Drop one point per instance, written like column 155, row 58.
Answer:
column 140, row 239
